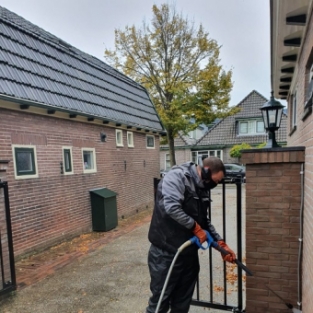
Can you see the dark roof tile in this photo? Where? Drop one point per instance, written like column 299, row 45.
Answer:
column 224, row 132
column 40, row 67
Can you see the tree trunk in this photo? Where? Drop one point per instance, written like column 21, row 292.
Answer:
column 171, row 146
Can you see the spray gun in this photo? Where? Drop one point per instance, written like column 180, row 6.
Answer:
column 214, row 244
column 194, row 240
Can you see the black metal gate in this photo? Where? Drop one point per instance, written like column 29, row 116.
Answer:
column 7, row 267
column 214, row 295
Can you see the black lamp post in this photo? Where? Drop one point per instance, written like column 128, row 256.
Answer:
column 272, row 112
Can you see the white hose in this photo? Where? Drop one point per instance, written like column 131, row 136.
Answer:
column 299, row 302
column 179, row 250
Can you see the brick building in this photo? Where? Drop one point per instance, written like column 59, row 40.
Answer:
column 292, row 79
column 69, row 123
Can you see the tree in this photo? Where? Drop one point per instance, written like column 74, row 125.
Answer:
column 179, row 66
column 235, row 151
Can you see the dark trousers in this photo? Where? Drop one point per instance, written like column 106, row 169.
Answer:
column 181, row 284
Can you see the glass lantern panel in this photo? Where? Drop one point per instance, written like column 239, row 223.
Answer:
column 279, row 115
column 265, row 119
column 272, row 118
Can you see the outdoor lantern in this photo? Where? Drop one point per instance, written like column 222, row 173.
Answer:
column 272, row 113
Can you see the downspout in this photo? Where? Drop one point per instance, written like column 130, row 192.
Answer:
column 299, row 302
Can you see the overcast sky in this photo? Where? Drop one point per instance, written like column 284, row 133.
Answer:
column 241, row 27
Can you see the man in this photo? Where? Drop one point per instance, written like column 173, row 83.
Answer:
column 180, row 212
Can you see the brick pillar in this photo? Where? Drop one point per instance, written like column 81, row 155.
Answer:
column 273, row 200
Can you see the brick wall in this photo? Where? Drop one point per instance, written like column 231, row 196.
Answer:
column 54, row 206
column 182, row 156
column 303, row 136
column 273, row 200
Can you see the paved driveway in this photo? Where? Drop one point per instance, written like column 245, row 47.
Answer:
column 113, row 278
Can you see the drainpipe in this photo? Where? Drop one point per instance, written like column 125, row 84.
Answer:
column 299, row 302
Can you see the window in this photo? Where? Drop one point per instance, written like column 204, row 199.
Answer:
column 260, row 127
column 197, row 156
column 89, row 160
column 25, row 161
column 150, row 142
column 251, row 127
column 130, row 139
column 119, row 137
column 294, row 111
column 243, row 128
column 67, row 160
column 309, row 82
column 308, row 91
column 167, row 161
column 196, row 133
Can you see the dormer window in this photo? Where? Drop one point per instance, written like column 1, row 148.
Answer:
column 248, row 127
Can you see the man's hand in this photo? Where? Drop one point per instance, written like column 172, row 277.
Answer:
column 231, row 257
column 199, row 232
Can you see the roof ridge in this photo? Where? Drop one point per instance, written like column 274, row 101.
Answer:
column 249, row 95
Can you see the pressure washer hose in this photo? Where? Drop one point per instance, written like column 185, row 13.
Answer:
column 179, row 250
column 195, row 240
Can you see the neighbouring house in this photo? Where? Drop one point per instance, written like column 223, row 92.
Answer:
column 246, row 126
column 183, row 144
column 69, row 123
column 292, row 79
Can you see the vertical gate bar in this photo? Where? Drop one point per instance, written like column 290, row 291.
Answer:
column 1, row 261
column 9, row 233
column 224, row 237
column 210, row 255
column 239, row 240
column 198, row 289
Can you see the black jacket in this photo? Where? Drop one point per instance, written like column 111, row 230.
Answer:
column 179, row 203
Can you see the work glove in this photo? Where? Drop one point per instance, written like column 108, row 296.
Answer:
column 199, row 232
column 231, row 257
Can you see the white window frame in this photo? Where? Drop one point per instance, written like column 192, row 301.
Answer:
column 150, row 136
column 130, row 139
column 71, row 160
column 196, row 133
column 294, row 111
column 256, row 127
column 251, row 127
column 119, row 134
column 195, row 155
column 18, row 176
column 94, row 169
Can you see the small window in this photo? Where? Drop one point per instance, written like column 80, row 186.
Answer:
column 294, row 111
column 89, row 160
column 119, row 137
column 243, row 128
column 198, row 156
column 25, row 162
column 260, row 127
column 251, row 127
column 130, row 139
column 150, row 142
column 67, row 160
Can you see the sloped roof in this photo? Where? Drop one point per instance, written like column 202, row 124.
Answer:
column 224, row 132
column 37, row 68
column 185, row 141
